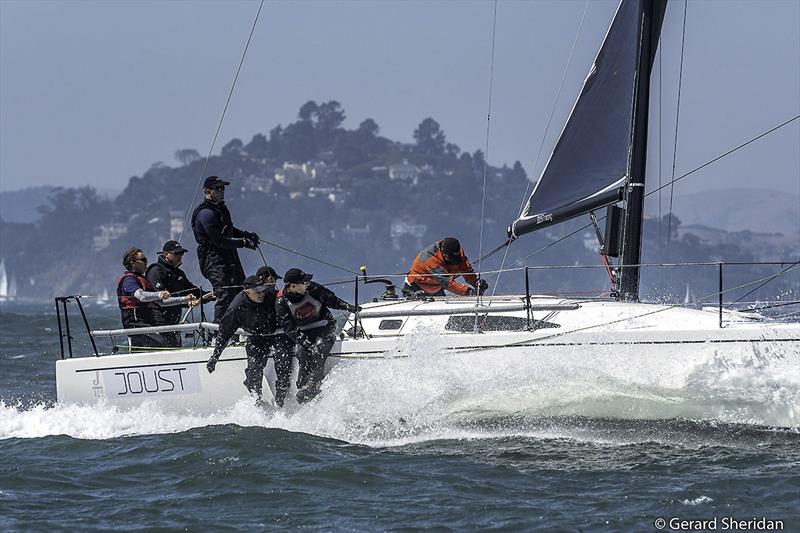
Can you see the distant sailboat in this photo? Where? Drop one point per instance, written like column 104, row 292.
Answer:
column 8, row 284
column 103, row 299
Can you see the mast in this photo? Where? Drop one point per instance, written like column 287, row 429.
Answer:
column 651, row 15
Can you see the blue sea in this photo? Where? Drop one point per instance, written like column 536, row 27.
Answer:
column 456, row 446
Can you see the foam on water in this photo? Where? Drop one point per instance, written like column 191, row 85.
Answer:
column 431, row 394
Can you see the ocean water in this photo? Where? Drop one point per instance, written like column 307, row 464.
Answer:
column 431, row 441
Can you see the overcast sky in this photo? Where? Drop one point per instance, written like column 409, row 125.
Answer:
column 95, row 92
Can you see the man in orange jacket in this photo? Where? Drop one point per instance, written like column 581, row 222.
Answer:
column 436, row 269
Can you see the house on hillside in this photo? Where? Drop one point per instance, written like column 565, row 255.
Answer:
column 404, row 172
column 404, row 228
column 298, row 174
column 108, row 233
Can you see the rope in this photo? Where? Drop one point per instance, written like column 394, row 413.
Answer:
column 221, row 118
column 488, row 131
column 677, row 119
column 729, row 152
column 767, row 281
column 309, row 257
column 528, row 183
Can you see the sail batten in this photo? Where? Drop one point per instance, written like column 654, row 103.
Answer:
column 591, row 157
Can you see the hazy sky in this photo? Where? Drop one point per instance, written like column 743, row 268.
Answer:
column 95, row 92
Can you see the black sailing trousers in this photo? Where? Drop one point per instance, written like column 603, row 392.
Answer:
column 258, row 352
column 312, row 361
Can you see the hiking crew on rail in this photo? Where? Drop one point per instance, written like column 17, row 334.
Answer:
column 303, row 309
column 253, row 310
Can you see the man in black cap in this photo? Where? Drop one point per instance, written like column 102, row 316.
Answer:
column 253, row 310
column 268, row 276
column 436, row 268
column 303, row 311
column 217, row 242
column 166, row 275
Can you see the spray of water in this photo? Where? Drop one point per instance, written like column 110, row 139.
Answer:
column 431, row 394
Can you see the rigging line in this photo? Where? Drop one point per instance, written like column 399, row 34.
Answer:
column 729, row 152
column 528, row 182
column 660, row 163
column 221, row 118
column 488, row 130
column 278, row 246
column 555, row 104
column 767, row 281
column 696, row 169
column 677, row 120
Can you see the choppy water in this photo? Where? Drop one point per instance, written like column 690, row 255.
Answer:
column 429, row 441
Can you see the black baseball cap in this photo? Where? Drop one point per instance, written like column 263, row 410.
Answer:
column 173, row 246
column 267, row 272
column 254, row 282
column 451, row 246
column 295, row 275
column 214, row 181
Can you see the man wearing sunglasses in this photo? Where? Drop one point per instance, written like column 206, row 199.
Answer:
column 303, row 309
column 137, row 300
column 253, row 310
column 166, row 275
column 217, row 243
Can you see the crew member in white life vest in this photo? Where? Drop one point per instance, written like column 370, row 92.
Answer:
column 303, row 309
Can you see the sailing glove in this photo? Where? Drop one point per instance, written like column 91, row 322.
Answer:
column 212, row 363
column 482, row 286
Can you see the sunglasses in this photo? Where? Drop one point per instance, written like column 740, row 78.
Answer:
column 218, row 188
column 142, row 259
column 177, row 253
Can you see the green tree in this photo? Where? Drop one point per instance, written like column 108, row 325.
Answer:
column 258, row 146
column 187, row 156
column 429, row 140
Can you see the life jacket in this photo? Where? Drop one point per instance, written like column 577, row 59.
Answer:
column 307, row 312
column 130, row 302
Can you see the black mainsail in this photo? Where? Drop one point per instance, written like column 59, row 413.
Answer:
column 599, row 158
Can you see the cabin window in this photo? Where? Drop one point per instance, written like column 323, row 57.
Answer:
column 390, row 324
column 466, row 323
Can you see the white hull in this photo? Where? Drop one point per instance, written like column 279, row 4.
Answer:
column 613, row 337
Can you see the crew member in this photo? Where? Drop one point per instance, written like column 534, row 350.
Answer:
column 268, row 276
column 137, row 299
column 166, row 275
column 217, row 242
column 436, row 269
column 253, row 310
column 303, row 311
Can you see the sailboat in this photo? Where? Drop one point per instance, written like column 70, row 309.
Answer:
column 598, row 162
column 8, row 284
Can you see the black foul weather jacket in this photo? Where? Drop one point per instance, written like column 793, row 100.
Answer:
column 217, row 240
column 255, row 318
column 165, row 277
